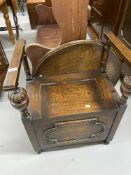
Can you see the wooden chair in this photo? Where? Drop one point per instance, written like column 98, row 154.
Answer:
column 14, row 8
column 31, row 4
column 65, row 21
column 70, row 97
column 4, row 9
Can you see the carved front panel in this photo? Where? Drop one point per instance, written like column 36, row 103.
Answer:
column 74, row 131
column 87, row 128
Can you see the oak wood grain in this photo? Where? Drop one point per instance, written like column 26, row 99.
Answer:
column 49, row 36
column 71, row 16
column 72, row 57
column 11, row 80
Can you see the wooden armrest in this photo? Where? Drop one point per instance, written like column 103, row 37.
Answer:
column 122, row 50
column 11, row 80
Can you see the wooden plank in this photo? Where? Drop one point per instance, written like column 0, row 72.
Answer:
column 71, row 16
column 71, row 57
column 12, row 76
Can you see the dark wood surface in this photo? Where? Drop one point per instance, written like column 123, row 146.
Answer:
column 125, row 25
column 3, row 65
column 106, row 16
column 70, row 99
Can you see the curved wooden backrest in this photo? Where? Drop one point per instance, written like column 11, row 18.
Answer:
column 71, row 16
column 45, row 15
column 35, row 52
column 72, row 57
column 77, row 56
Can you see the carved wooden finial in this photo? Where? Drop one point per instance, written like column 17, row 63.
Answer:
column 19, row 100
column 125, row 90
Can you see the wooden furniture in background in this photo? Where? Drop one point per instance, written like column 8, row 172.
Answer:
column 32, row 13
column 106, row 16
column 70, row 98
column 3, row 65
column 124, row 32
column 4, row 9
column 125, row 24
column 71, row 18
column 56, row 26
column 21, row 5
column 14, row 8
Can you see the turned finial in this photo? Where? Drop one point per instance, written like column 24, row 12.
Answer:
column 19, row 100
column 125, row 90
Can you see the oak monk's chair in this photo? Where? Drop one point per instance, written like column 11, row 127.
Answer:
column 70, row 97
column 64, row 21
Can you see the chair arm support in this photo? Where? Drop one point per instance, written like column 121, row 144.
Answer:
column 12, row 76
column 122, row 50
column 19, row 100
column 125, row 90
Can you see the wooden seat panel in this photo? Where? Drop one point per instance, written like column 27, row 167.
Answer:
column 69, row 94
column 76, row 96
column 49, row 36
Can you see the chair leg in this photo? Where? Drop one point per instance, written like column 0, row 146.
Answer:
column 17, row 27
column 21, row 3
column 126, row 92
column 30, row 129
column 19, row 100
column 8, row 23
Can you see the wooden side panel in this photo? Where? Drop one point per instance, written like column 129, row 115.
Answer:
column 72, row 57
column 90, row 128
column 71, row 16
